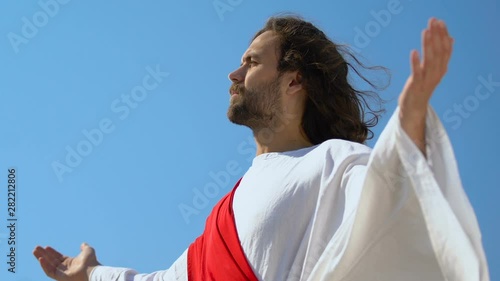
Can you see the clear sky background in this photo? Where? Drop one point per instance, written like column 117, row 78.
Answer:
column 64, row 68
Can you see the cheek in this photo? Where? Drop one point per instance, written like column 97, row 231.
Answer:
column 250, row 80
column 256, row 77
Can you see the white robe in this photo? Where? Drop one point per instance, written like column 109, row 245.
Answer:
column 341, row 211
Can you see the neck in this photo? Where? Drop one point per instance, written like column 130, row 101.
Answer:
column 268, row 140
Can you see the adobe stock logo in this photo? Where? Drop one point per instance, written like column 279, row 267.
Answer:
column 122, row 107
column 29, row 30
column 223, row 6
column 471, row 103
column 219, row 181
column 381, row 19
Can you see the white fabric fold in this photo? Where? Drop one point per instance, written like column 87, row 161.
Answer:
column 340, row 211
column 413, row 221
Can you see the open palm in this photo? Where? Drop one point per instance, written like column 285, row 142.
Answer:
column 64, row 268
column 426, row 74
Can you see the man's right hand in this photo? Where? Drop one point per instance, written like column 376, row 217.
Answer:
column 64, row 268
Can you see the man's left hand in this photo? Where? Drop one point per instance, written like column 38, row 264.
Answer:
column 426, row 73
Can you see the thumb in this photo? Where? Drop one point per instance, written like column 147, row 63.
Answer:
column 86, row 249
column 83, row 246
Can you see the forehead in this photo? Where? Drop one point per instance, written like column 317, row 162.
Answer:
column 264, row 46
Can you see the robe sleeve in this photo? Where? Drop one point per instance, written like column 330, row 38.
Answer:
column 411, row 218
column 176, row 272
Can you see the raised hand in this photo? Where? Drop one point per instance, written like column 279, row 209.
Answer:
column 64, row 268
column 424, row 78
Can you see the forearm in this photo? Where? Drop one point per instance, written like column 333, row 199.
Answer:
column 178, row 271
column 107, row 273
column 413, row 123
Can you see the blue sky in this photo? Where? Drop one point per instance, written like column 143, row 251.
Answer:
column 113, row 114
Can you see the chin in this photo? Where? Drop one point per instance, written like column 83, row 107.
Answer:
column 234, row 117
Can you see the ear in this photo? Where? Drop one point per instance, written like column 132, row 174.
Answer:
column 294, row 80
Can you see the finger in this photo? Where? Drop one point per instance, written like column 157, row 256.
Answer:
column 438, row 35
column 448, row 42
column 438, row 38
column 47, row 267
column 431, row 23
column 416, row 67
column 55, row 254
column 84, row 245
column 427, row 42
column 88, row 253
column 42, row 253
column 37, row 252
column 427, row 50
column 445, row 46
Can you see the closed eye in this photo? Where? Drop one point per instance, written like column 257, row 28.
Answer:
column 250, row 60
column 250, row 63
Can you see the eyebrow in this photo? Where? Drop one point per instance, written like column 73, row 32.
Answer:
column 250, row 56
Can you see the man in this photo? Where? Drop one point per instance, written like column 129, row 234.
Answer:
column 317, row 204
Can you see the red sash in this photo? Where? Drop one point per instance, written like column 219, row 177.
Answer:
column 217, row 253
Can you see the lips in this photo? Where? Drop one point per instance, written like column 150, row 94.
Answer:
column 234, row 90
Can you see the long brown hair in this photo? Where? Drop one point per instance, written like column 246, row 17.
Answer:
column 334, row 108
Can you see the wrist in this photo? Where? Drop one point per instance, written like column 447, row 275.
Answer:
column 413, row 112
column 90, row 269
column 413, row 122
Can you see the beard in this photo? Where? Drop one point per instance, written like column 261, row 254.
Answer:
column 256, row 107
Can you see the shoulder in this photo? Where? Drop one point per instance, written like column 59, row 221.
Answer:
column 338, row 147
column 341, row 153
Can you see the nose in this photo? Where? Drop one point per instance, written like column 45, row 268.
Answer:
column 238, row 75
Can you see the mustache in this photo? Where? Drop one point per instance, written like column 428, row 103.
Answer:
column 237, row 88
